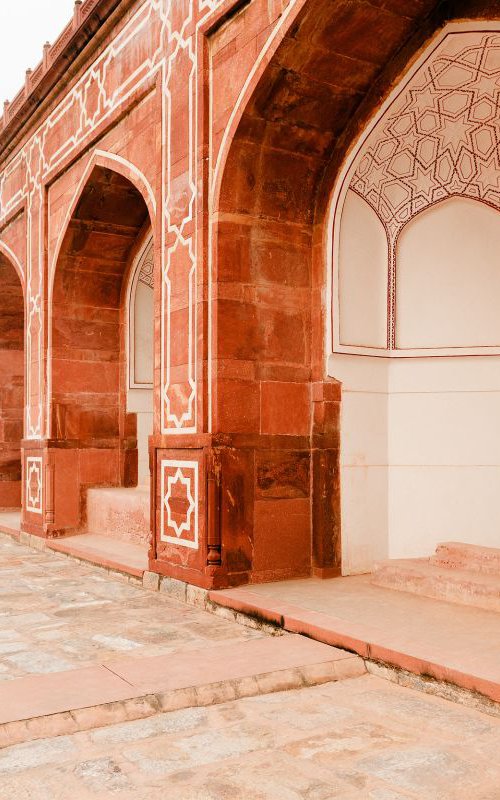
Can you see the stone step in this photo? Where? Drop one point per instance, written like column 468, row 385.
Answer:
column 105, row 551
column 469, row 557
column 131, row 688
column 120, row 513
column 422, row 577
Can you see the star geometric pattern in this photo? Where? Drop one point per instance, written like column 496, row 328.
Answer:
column 179, row 511
column 440, row 137
column 146, row 274
column 34, row 484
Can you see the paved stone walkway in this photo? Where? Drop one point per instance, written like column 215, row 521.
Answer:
column 57, row 614
column 357, row 739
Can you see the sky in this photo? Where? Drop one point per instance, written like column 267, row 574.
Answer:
column 25, row 25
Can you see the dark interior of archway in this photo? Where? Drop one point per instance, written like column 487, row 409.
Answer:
column 11, row 384
column 331, row 70
column 87, row 344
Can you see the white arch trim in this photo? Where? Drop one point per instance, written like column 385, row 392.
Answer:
column 9, row 253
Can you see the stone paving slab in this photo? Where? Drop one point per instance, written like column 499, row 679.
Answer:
column 457, row 644
column 58, row 615
column 362, row 739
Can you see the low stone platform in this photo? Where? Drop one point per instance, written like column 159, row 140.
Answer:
column 82, row 649
column 126, row 557
column 10, row 522
column 432, row 638
column 458, row 573
column 120, row 513
column 135, row 688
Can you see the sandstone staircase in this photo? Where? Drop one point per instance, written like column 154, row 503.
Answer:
column 118, row 530
column 459, row 573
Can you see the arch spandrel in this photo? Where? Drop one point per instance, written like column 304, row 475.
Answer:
column 436, row 137
column 439, row 137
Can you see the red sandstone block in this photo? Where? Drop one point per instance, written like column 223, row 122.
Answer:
column 10, row 494
column 283, row 335
column 81, row 376
column 233, row 369
column 285, row 408
column 291, row 549
column 326, row 418
column 237, row 330
column 98, row 466
column 238, row 407
column 326, row 390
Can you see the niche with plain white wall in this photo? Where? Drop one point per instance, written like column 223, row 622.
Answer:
column 448, row 277
column 140, row 353
column 420, row 440
column 362, row 275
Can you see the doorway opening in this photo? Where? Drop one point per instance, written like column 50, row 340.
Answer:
column 102, row 339
column 12, row 360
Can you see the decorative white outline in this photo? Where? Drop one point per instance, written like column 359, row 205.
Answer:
column 9, row 253
column 33, row 165
column 34, row 466
column 98, row 158
column 193, row 502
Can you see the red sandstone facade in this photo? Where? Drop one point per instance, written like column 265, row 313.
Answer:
column 222, row 126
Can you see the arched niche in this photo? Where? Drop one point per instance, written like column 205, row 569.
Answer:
column 89, row 352
column 362, row 270
column 12, row 361
column 419, row 450
column 140, row 349
column 448, row 277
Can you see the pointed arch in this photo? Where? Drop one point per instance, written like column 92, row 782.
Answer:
column 9, row 253
column 116, row 163
column 121, row 166
column 12, row 370
column 106, row 223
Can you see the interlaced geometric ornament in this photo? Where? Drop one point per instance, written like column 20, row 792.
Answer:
column 179, row 508
column 440, row 137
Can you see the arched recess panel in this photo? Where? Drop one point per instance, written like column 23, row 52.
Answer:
column 448, row 277
column 420, row 425
column 363, row 270
column 11, row 383
column 140, row 351
column 89, row 364
column 269, row 303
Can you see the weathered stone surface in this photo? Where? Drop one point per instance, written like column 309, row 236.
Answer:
column 362, row 739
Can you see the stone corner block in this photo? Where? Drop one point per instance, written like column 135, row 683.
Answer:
column 151, row 580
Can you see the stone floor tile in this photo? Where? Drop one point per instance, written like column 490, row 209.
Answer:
column 251, row 749
column 78, row 617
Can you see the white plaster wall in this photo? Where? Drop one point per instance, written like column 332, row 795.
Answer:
column 444, row 453
column 448, row 277
column 140, row 402
column 362, row 254
column 143, row 310
column 363, row 460
column 420, row 455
